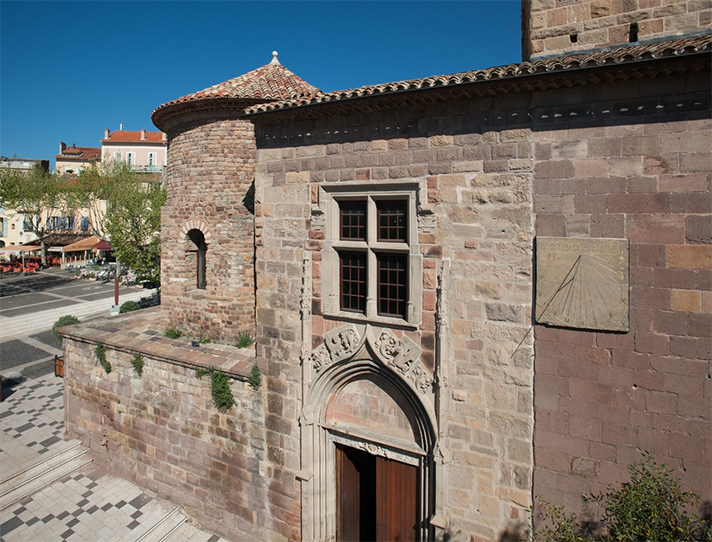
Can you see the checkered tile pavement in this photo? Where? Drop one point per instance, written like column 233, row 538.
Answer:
column 31, row 422
column 86, row 505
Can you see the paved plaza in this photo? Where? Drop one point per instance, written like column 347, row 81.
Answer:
column 49, row 488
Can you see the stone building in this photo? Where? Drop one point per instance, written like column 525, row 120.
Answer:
column 466, row 291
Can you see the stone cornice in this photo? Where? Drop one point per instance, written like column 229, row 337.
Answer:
column 168, row 118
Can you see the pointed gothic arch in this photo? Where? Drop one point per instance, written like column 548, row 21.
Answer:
column 353, row 360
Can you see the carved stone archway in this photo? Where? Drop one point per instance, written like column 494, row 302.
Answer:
column 352, row 354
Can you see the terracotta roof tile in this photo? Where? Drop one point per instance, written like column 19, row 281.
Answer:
column 622, row 55
column 79, row 153
column 126, row 136
column 269, row 83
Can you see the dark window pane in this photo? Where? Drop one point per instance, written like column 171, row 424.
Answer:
column 353, row 281
column 353, row 220
column 392, row 220
column 392, row 284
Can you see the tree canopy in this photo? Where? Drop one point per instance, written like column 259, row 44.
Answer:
column 38, row 196
column 124, row 208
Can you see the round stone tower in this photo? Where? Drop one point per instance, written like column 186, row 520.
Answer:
column 207, row 224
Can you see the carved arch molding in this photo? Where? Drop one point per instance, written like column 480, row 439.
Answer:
column 349, row 353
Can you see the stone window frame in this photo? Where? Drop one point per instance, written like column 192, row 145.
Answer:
column 200, row 250
column 329, row 197
column 194, row 254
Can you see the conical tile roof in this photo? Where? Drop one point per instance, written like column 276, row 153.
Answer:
column 272, row 82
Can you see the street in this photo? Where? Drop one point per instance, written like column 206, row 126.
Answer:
column 29, row 306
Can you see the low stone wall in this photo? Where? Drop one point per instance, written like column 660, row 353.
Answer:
column 162, row 431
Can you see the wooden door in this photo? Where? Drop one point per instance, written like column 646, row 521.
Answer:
column 377, row 498
column 396, row 501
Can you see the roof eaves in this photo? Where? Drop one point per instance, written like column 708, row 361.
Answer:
column 620, row 56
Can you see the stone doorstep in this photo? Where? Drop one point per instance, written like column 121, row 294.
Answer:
column 142, row 332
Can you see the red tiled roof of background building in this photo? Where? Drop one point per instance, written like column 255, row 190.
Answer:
column 80, row 153
column 269, row 83
column 126, row 136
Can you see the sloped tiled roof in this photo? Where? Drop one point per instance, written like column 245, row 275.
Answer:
column 617, row 56
column 126, row 136
column 79, row 153
column 271, row 82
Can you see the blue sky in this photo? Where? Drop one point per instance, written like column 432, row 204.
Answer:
column 68, row 70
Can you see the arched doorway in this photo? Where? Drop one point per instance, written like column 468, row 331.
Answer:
column 368, row 439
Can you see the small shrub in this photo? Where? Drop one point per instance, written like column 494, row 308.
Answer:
column 173, row 333
column 204, row 339
column 559, row 526
column 137, row 363
column 255, row 378
column 244, row 340
column 100, row 355
column 66, row 320
column 651, row 507
column 223, row 399
column 129, row 306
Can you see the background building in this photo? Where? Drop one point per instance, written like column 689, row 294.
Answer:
column 143, row 151
column 12, row 230
column 72, row 160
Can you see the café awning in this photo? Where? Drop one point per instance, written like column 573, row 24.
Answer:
column 82, row 244
column 17, row 249
column 102, row 245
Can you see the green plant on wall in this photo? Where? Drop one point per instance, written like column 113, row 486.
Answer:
column 137, row 363
column 173, row 333
column 100, row 355
column 66, row 320
column 243, row 340
column 255, row 378
column 219, row 388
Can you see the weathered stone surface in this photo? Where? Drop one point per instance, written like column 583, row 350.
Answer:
column 556, row 28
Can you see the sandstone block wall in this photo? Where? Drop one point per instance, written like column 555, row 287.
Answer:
column 209, row 187
column 162, row 431
column 477, row 171
column 641, row 172
column 563, row 26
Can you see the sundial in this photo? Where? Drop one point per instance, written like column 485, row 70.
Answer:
column 582, row 283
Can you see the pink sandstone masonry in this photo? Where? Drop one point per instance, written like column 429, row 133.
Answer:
column 553, row 27
column 211, row 170
column 602, row 398
column 162, row 431
column 476, row 177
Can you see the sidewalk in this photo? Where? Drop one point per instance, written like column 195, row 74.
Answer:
column 43, row 320
column 84, row 503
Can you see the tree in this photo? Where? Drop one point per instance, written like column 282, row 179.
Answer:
column 124, row 208
column 38, row 196
column 88, row 195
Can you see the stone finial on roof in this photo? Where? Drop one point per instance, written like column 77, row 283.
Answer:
column 274, row 60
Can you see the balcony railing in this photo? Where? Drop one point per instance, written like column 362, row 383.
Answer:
column 146, row 169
